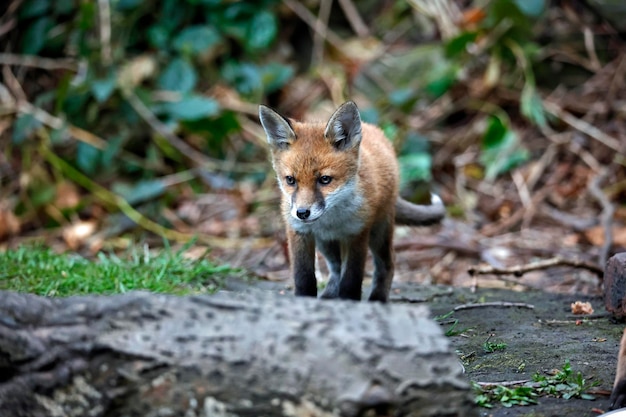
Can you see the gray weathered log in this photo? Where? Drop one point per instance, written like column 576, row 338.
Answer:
column 615, row 285
column 227, row 355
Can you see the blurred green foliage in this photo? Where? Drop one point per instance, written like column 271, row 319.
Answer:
column 177, row 60
column 169, row 53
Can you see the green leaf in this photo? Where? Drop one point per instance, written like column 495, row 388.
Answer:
column 494, row 135
column 532, row 8
column 402, row 96
column 103, row 88
column 179, row 76
column 140, row 192
column 458, row 44
column 503, row 153
column 191, row 107
column 196, row 39
column 415, row 166
column 112, row 150
column 441, row 81
column 126, row 4
column 262, row 30
column 34, row 8
column 245, row 77
column 158, row 36
column 274, row 76
column 24, row 126
column 531, row 105
column 42, row 194
column 62, row 7
column 87, row 158
column 36, row 35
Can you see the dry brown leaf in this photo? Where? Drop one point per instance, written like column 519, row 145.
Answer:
column 595, row 235
column 580, row 307
column 9, row 223
column 67, row 196
column 77, row 233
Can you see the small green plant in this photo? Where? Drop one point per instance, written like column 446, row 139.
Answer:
column 40, row 271
column 452, row 330
column 563, row 383
column 490, row 347
column 507, row 397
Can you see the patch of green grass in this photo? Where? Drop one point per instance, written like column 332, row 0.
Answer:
column 448, row 319
column 40, row 271
column 564, row 383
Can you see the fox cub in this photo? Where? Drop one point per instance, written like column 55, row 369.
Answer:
column 339, row 184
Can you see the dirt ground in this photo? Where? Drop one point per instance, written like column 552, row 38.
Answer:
column 538, row 339
column 540, row 336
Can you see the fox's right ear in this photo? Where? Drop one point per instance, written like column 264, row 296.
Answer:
column 278, row 129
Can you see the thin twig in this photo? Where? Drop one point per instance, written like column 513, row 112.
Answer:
column 591, row 49
column 104, row 14
column 13, row 84
column 34, row 61
column 309, row 18
column 183, row 147
column 321, row 24
column 354, row 18
column 503, row 383
column 493, row 304
column 75, row 132
column 606, row 217
column 129, row 211
column 520, row 270
column 444, row 12
column 493, row 229
column 582, row 126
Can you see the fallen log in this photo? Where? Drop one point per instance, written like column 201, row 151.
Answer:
column 226, row 355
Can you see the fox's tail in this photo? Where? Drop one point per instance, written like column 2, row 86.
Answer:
column 410, row 214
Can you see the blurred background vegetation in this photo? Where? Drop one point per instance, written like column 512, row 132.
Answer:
column 136, row 119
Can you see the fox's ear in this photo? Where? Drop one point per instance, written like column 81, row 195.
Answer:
column 344, row 127
column 278, row 130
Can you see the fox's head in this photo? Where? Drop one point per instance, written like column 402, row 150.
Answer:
column 316, row 164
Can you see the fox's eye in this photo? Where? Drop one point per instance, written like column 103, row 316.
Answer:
column 325, row 179
column 290, row 180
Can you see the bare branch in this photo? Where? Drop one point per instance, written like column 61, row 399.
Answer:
column 493, row 304
column 34, row 61
column 606, row 217
column 520, row 270
column 582, row 126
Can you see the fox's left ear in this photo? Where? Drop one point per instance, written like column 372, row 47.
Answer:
column 278, row 130
column 344, row 127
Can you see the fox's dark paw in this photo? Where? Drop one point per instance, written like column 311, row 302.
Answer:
column 618, row 396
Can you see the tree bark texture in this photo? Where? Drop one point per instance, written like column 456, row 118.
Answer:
column 226, row 355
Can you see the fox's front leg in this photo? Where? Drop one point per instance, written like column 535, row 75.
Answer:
column 331, row 249
column 302, row 254
column 381, row 244
column 354, row 254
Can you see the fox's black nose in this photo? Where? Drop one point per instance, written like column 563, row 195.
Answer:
column 303, row 213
